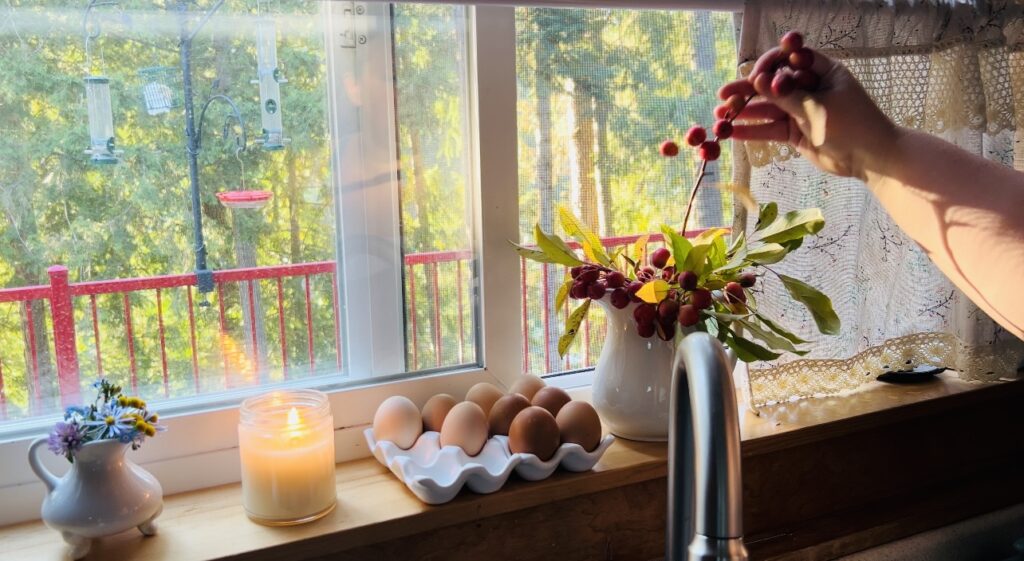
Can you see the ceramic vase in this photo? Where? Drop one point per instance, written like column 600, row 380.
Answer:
column 103, row 493
column 633, row 378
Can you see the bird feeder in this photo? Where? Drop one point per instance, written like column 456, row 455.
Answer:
column 244, row 199
column 101, row 121
column 158, row 95
column 269, row 79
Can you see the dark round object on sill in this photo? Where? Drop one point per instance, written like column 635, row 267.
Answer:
column 923, row 373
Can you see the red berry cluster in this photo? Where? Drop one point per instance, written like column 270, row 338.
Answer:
column 594, row 282
column 792, row 71
column 684, row 301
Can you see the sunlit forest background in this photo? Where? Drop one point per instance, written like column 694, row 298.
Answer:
column 598, row 90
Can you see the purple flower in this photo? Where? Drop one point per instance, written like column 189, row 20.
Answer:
column 66, row 439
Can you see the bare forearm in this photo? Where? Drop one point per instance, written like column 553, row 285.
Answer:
column 966, row 212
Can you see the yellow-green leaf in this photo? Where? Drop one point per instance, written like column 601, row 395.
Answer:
column 572, row 327
column 555, row 248
column 532, row 254
column 563, row 293
column 639, row 246
column 741, row 193
column 653, row 292
column 579, row 231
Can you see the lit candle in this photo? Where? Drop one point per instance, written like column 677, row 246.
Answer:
column 286, row 441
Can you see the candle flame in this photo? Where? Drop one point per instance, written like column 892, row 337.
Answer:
column 293, row 418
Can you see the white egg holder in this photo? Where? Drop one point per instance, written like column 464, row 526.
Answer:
column 436, row 475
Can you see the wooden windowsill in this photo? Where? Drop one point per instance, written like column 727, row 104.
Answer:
column 373, row 507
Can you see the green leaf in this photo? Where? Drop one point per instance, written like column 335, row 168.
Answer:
column 793, row 244
column 579, row 231
column 679, row 245
column 738, row 245
column 774, row 341
column 555, row 248
column 747, row 350
column 780, row 330
column 723, row 316
column 793, row 225
column 766, row 254
column 653, row 292
column 563, row 293
column 718, row 254
column 766, row 216
column 695, row 260
column 738, row 261
column 817, row 303
column 572, row 327
column 531, row 254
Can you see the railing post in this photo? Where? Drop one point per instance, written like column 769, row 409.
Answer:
column 63, row 315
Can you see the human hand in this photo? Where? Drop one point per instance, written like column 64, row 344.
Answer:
column 834, row 123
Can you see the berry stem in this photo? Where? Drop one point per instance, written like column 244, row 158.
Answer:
column 703, row 171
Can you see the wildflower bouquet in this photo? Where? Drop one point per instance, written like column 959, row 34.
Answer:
column 111, row 416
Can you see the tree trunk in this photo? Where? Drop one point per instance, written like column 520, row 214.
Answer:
column 583, row 139
column 419, row 193
column 546, row 186
column 604, row 165
column 709, row 200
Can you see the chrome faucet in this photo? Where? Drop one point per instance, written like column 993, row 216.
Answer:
column 705, row 484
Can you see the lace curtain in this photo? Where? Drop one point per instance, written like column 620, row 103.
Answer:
column 954, row 70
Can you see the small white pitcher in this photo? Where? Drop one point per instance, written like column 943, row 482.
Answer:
column 103, row 493
column 633, row 378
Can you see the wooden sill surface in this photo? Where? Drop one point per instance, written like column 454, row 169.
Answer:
column 374, row 507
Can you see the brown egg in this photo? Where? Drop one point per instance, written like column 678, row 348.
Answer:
column 551, row 398
column 534, row 431
column 397, row 420
column 578, row 423
column 527, row 385
column 435, row 410
column 504, row 410
column 465, row 427
column 484, row 395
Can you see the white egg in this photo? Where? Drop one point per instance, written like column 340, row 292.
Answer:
column 398, row 420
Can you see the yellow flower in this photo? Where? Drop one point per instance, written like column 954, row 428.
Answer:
column 122, row 400
column 150, row 431
column 141, row 425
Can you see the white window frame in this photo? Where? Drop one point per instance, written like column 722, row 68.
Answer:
column 200, row 447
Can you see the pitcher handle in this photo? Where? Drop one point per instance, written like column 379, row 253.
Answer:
column 48, row 478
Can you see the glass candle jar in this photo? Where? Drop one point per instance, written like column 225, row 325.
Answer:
column 286, row 441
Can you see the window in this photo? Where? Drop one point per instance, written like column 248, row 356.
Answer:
column 333, row 174
column 598, row 91
column 403, row 151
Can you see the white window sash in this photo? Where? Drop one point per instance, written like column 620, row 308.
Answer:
column 199, row 449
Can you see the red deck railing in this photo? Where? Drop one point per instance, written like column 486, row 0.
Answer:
column 435, row 295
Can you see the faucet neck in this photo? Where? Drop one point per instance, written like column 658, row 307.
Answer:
column 705, row 477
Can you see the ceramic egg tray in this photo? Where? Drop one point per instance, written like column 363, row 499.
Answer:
column 436, row 474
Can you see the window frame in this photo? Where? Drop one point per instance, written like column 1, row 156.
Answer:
column 200, row 448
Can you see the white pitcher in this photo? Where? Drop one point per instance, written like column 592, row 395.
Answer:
column 633, row 378
column 103, row 493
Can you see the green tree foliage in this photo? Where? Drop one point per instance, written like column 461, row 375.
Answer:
column 598, row 90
